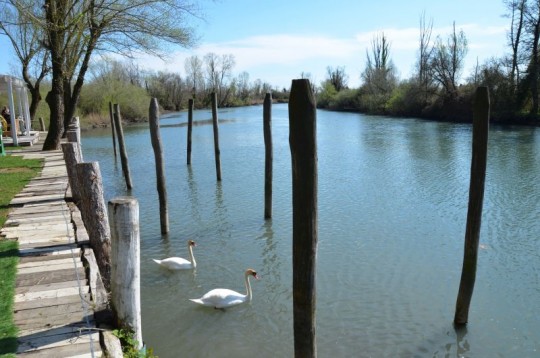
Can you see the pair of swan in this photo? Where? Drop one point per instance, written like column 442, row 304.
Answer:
column 218, row 297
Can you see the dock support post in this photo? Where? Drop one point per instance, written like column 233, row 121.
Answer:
column 125, row 264
column 121, row 145
column 303, row 143
column 189, row 130
column 268, row 172
column 216, row 136
column 476, row 198
column 160, row 166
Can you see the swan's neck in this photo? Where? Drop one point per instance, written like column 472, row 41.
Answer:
column 248, row 289
column 193, row 262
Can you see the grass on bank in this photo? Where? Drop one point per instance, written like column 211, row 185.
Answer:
column 15, row 173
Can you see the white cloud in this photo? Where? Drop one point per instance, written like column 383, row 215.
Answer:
column 281, row 57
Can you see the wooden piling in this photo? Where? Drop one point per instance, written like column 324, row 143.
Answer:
column 303, row 143
column 476, row 198
column 94, row 215
column 112, row 128
column 41, row 124
column 72, row 157
column 73, row 133
column 268, row 170
column 121, row 145
column 189, row 130
column 125, row 268
column 160, row 166
column 216, row 136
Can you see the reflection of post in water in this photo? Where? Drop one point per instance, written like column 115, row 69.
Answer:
column 462, row 345
column 193, row 195
column 220, row 211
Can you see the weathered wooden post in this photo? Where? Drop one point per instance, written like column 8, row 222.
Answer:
column 303, row 143
column 476, row 198
column 72, row 157
column 41, row 125
column 94, row 215
column 112, row 128
column 73, row 133
column 160, row 166
column 189, row 130
column 216, row 136
column 126, row 267
column 122, row 146
column 267, row 124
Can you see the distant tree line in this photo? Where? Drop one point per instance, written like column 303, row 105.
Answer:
column 434, row 90
column 125, row 83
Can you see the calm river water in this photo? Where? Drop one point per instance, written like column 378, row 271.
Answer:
column 392, row 209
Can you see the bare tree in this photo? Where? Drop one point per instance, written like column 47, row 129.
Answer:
column 194, row 76
column 447, row 61
column 532, row 26
column 27, row 41
column 337, row 77
column 517, row 9
column 219, row 72
column 379, row 75
column 425, row 52
column 76, row 29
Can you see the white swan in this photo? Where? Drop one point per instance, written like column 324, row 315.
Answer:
column 178, row 263
column 223, row 298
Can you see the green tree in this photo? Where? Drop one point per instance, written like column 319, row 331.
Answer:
column 27, row 41
column 76, row 29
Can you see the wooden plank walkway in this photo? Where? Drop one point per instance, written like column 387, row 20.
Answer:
column 53, row 304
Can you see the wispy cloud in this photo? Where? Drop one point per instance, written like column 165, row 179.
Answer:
column 283, row 56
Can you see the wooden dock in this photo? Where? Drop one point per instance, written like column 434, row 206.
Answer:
column 54, row 300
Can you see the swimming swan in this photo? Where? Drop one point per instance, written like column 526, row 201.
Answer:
column 178, row 263
column 223, row 298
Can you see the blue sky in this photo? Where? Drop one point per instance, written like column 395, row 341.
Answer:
column 276, row 41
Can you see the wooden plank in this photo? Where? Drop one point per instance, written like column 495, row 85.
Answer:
column 36, row 219
column 50, row 294
column 51, row 267
column 55, row 321
column 19, row 306
column 56, row 225
column 50, row 277
column 46, row 312
column 47, row 240
column 38, row 245
column 72, row 351
column 50, row 286
column 54, row 330
column 48, row 250
column 58, row 341
column 41, row 198
column 51, row 256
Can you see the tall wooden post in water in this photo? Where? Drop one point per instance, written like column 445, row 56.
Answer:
column 126, row 264
column 303, row 143
column 112, row 128
column 476, row 198
column 189, row 130
column 160, row 167
column 216, row 136
column 121, row 145
column 267, row 124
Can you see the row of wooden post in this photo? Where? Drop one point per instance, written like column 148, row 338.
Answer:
column 113, row 233
column 303, row 145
